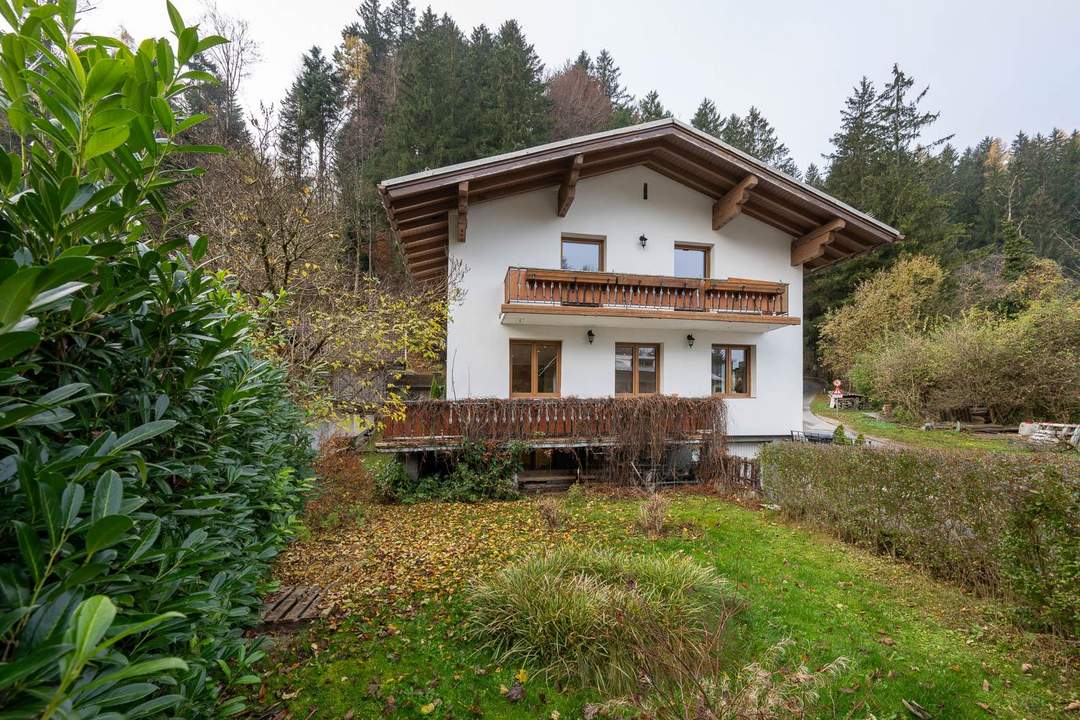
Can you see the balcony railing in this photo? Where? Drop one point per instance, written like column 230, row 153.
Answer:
column 622, row 293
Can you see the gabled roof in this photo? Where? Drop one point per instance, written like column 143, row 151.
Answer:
column 824, row 230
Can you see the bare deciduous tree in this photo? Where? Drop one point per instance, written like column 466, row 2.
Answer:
column 580, row 104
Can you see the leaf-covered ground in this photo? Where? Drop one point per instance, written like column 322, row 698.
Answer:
column 399, row 573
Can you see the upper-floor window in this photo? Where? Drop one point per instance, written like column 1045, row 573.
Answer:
column 691, row 261
column 583, row 252
column 731, row 370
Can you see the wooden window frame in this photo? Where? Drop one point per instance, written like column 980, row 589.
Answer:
column 534, row 379
column 599, row 240
column 696, row 246
column 634, row 368
column 728, row 375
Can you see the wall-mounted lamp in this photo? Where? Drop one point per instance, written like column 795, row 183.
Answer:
column 690, row 340
column 643, row 240
column 591, row 336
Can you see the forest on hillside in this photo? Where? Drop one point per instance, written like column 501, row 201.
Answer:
column 296, row 206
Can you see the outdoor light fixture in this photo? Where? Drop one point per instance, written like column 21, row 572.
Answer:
column 591, row 335
column 690, row 340
column 643, row 240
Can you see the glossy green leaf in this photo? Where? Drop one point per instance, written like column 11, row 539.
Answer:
column 107, row 496
column 144, row 432
column 106, row 532
column 30, row 549
column 105, row 140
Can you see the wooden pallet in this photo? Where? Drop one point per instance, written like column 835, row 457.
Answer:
column 295, row 604
column 538, row 481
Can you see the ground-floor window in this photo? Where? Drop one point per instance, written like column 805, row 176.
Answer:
column 637, row 368
column 535, row 367
column 731, row 370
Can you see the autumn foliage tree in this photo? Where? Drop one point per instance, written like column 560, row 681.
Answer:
column 904, row 298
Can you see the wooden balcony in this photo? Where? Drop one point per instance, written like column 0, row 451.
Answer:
column 547, row 422
column 575, row 298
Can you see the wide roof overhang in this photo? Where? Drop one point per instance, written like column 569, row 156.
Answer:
column 824, row 230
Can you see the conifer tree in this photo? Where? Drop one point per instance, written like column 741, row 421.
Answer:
column 651, row 108
column 707, row 118
column 1017, row 251
column 399, row 22
column 755, row 136
column 622, row 102
column 320, row 105
column 226, row 125
column 584, row 62
column 428, row 125
column 523, row 118
column 857, row 145
column 292, row 134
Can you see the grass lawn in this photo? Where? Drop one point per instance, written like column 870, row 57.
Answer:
column 858, row 422
column 400, row 575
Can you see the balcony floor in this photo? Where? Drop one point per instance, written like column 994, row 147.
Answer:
column 582, row 316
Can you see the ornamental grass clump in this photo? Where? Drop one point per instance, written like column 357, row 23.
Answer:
column 586, row 616
column 652, row 515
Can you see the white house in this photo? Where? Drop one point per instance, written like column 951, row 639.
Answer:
column 648, row 259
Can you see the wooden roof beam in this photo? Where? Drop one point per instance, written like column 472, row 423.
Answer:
column 812, row 245
column 438, row 251
column 730, row 205
column 421, row 265
column 569, row 186
column 462, row 209
column 405, row 233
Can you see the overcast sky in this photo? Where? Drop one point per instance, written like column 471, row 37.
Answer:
column 993, row 67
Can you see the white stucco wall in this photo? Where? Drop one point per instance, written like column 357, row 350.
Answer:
column 524, row 231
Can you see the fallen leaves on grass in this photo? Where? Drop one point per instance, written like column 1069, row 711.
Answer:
column 430, row 548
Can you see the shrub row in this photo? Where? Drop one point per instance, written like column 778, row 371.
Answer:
column 999, row 524
column 150, row 462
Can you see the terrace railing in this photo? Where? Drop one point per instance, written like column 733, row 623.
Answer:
column 448, row 422
column 530, row 286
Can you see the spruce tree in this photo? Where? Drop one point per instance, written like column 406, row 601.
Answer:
column 755, row 136
column 707, row 118
column 399, row 22
column 1017, row 251
column 857, row 145
column 479, row 100
column 428, row 125
column 523, row 118
column 651, row 108
column 292, row 134
column 622, row 102
column 226, row 125
column 584, row 62
column 320, row 105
